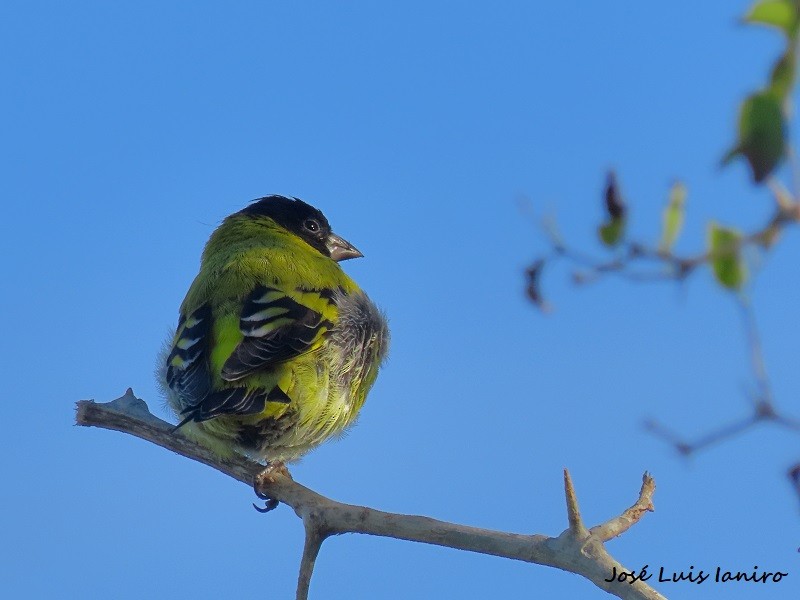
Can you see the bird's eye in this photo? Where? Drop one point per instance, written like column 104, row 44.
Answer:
column 312, row 225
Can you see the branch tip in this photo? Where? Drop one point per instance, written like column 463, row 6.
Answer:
column 647, row 490
column 619, row 525
column 81, row 406
column 573, row 511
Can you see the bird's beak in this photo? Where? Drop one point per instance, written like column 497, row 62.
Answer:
column 340, row 249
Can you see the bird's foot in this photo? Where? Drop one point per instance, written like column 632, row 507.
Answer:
column 270, row 503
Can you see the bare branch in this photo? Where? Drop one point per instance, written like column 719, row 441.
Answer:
column 576, row 550
column 129, row 414
column 667, row 264
column 619, row 525
column 642, row 263
column 714, row 437
column 314, row 539
column 763, row 398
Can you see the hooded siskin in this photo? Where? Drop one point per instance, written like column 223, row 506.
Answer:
column 276, row 347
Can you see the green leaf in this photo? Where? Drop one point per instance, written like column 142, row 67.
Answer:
column 775, row 13
column 672, row 219
column 725, row 255
column 761, row 134
column 782, row 76
column 612, row 232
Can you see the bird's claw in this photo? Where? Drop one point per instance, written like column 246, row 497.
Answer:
column 262, row 495
column 269, row 504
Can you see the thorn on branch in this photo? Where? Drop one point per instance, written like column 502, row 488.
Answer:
column 573, row 511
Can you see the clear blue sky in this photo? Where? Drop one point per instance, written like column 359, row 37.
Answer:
column 130, row 129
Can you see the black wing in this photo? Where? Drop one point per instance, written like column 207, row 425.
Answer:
column 187, row 363
column 276, row 328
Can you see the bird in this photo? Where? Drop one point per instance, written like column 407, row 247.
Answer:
column 276, row 347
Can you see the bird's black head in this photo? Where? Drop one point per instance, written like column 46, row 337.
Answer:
column 305, row 221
